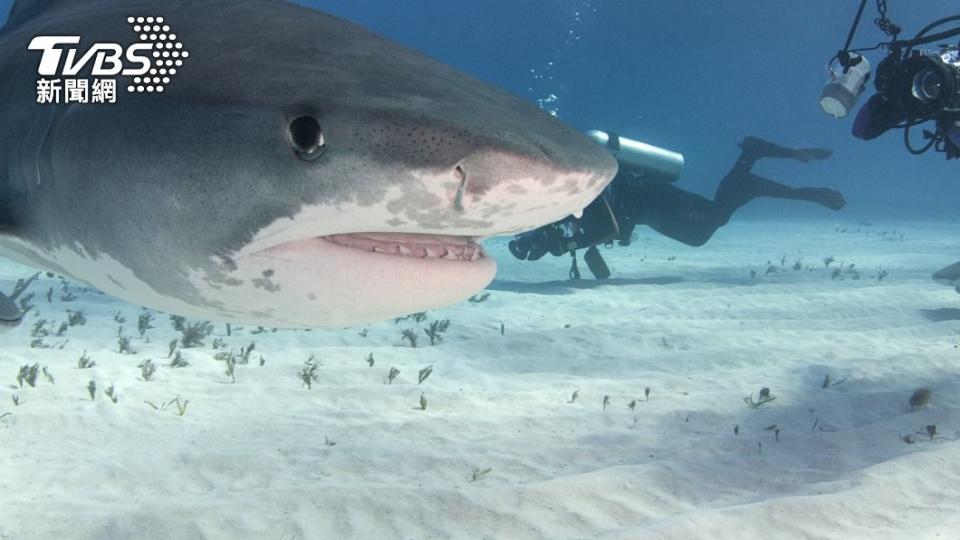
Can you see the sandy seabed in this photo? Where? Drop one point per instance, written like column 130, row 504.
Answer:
column 504, row 449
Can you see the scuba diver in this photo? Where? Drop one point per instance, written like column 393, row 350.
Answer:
column 642, row 193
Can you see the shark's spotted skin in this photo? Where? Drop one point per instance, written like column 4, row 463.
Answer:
column 195, row 201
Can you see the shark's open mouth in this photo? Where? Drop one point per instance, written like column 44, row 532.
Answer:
column 419, row 246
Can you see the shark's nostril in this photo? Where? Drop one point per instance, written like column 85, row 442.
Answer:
column 462, row 177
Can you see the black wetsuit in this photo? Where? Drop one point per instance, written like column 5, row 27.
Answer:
column 633, row 200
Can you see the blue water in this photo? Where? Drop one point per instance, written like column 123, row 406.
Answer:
column 691, row 76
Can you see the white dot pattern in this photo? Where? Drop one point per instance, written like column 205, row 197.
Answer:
column 167, row 53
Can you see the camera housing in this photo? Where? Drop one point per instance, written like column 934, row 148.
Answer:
column 924, row 84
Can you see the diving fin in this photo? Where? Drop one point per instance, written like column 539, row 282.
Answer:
column 596, row 264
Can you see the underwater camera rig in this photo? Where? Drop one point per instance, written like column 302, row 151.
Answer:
column 913, row 84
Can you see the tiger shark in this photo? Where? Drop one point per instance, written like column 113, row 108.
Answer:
column 292, row 170
column 949, row 275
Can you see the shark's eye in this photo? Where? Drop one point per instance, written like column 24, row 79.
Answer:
column 306, row 136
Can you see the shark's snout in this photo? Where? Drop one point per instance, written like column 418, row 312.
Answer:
column 512, row 191
column 417, row 247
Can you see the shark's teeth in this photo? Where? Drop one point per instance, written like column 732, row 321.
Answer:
column 414, row 246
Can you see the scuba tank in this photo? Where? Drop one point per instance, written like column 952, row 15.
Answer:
column 639, row 157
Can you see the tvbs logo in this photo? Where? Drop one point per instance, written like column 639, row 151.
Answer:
column 150, row 63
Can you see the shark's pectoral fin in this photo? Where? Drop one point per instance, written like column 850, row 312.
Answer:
column 957, row 288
